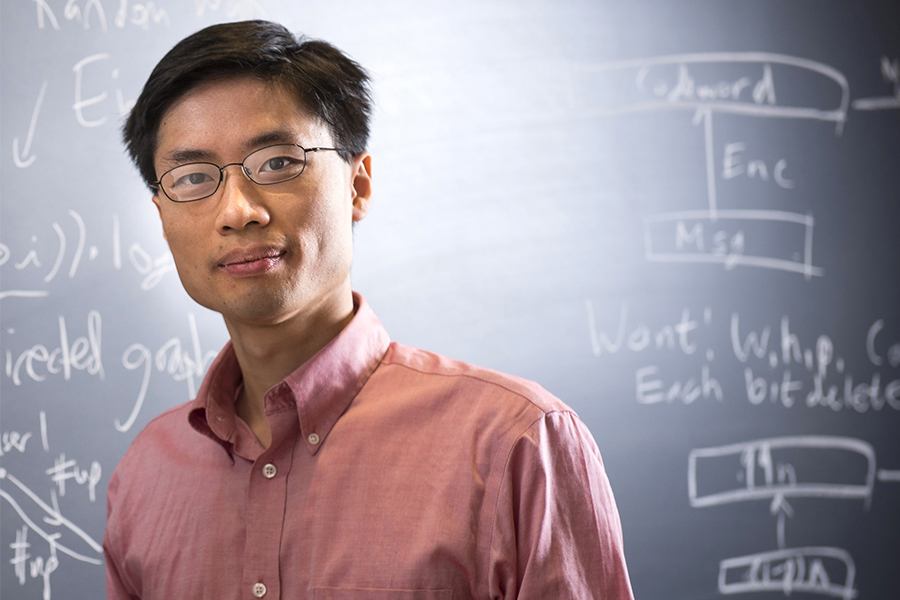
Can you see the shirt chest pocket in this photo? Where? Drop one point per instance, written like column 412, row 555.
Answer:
column 331, row 593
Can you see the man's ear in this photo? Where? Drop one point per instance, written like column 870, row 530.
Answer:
column 158, row 204
column 362, row 185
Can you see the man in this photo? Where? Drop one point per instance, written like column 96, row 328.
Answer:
column 320, row 460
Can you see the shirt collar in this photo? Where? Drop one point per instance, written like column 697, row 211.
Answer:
column 321, row 388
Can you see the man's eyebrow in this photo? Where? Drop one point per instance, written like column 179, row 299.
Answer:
column 186, row 155
column 181, row 156
column 270, row 138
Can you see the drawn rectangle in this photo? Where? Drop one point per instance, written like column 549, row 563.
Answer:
column 824, row 571
column 727, row 82
column 801, row 466
column 759, row 238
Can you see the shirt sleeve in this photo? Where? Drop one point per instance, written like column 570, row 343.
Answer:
column 116, row 588
column 557, row 532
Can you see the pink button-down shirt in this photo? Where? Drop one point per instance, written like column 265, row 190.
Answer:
column 392, row 473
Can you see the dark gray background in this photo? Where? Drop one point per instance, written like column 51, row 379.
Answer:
column 514, row 200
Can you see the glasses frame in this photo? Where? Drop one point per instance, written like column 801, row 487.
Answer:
column 157, row 185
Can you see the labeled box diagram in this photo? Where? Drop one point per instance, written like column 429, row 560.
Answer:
column 705, row 85
column 776, row 470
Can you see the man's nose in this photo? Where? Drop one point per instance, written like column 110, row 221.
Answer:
column 241, row 204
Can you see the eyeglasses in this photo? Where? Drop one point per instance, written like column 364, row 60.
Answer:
column 266, row 166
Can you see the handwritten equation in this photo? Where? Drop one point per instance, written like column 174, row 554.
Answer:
column 63, row 253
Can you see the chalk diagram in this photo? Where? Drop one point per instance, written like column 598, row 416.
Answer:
column 62, row 536
column 775, row 470
column 709, row 234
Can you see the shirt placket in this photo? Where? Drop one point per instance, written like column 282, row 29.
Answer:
column 266, row 501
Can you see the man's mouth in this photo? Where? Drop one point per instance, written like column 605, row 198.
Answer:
column 251, row 261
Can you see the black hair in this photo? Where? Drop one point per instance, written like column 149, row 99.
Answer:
column 325, row 81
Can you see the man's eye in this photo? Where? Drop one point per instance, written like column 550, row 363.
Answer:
column 193, row 179
column 276, row 164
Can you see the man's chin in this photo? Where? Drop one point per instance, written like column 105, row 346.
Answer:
column 259, row 308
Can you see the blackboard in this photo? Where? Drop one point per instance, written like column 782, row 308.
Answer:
column 681, row 218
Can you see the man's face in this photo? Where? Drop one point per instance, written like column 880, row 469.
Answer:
column 260, row 254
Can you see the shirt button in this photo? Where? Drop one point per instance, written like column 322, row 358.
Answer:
column 269, row 471
column 313, row 438
column 259, row 590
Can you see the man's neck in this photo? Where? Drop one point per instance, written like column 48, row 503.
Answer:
column 269, row 353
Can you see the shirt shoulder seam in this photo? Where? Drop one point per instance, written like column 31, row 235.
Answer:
column 543, row 410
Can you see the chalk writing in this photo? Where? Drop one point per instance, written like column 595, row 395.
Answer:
column 44, row 10
column 152, row 268
column 82, row 354
column 139, row 14
column 733, row 165
column 638, row 337
column 820, row 366
column 235, row 9
column 49, row 260
column 81, row 103
column 37, row 567
column 890, row 72
column 825, row 571
column 685, row 87
column 734, row 237
column 874, row 345
column 652, row 389
column 778, row 468
column 667, row 82
column 888, row 475
column 171, row 358
column 65, row 470
column 13, row 440
column 25, row 159
column 74, row 12
column 811, row 375
column 44, row 438
column 52, row 516
column 770, row 469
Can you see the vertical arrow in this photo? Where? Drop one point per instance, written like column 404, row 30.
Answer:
column 705, row 114
column 781, row 508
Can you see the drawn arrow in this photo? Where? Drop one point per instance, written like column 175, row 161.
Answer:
column 781, row 507
column 23, row 160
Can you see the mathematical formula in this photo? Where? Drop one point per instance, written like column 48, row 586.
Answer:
column 53, row 255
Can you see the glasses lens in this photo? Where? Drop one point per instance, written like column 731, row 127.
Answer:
column 191, row 182
column 275, row 163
